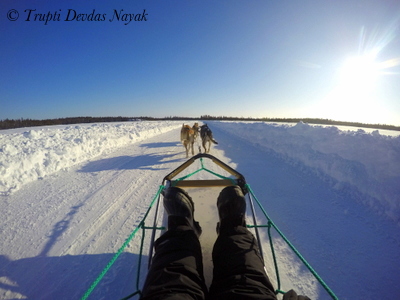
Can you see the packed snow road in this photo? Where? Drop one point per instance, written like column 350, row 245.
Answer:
column 58, row 233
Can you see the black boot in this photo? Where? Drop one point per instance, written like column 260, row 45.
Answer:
column 231, row 208
column 180, row 209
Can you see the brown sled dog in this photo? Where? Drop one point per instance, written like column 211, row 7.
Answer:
column 206, row 137
column 187, row 138
column 196, row 129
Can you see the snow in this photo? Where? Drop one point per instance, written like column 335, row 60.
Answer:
column 366, row 164
column 34, row 154
column 71, row 195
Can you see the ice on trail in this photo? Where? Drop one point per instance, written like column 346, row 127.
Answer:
column 71, row 195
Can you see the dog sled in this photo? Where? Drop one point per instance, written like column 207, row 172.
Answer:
column 203, row 176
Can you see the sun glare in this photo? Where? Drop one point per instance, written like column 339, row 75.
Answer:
column 356, row 97
column 357, row 73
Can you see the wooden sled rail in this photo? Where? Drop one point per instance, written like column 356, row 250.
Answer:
column 203, row 183
column 240, row 180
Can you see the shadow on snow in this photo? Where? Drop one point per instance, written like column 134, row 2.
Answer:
column 160, row 145
column 144, row 162
column 68, row 277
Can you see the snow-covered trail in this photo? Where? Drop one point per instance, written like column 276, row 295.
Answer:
column 81, row 217
column 58, row 233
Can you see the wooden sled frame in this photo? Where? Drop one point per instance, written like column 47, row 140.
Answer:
column 224, row 181
column 183, row 182
column 239, row 180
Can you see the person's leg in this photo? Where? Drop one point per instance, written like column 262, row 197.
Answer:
column 176, row 270
column 238, row 267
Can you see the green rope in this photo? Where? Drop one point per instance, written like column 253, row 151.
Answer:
column 220, row 176
column 187, row 176
column 204, row 169
column 274, row 257
column 115, row 257
column 201, row 163
column 271, row 223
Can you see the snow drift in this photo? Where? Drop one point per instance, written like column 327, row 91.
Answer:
column 34, row 153
column 364, row 164
column 353, row 161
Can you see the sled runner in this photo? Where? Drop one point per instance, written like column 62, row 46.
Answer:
column 203, row 183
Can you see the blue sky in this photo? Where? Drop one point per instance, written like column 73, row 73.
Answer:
column 326, row 59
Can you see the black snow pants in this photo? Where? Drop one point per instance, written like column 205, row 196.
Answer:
column 176, row 271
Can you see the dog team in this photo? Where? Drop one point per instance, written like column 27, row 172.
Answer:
column 190, row 134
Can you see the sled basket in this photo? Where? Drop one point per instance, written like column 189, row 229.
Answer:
column 231, row 177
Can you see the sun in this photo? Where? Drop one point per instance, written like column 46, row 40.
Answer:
column 358, row 73
column 356, row 94
column 353, row 96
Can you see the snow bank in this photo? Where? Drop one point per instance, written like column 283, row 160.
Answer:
column 365, row 164
column 35, row 153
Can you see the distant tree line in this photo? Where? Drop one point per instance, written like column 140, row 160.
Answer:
column 19, row 123
column 305, row 120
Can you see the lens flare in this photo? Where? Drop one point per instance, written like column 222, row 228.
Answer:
column 355, row 96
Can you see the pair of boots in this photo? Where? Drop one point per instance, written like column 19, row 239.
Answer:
column 177, row 271
column 180, row 208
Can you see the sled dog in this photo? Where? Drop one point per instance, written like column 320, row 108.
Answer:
column 187, row 138
column 196, row 130
column 206, row 137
